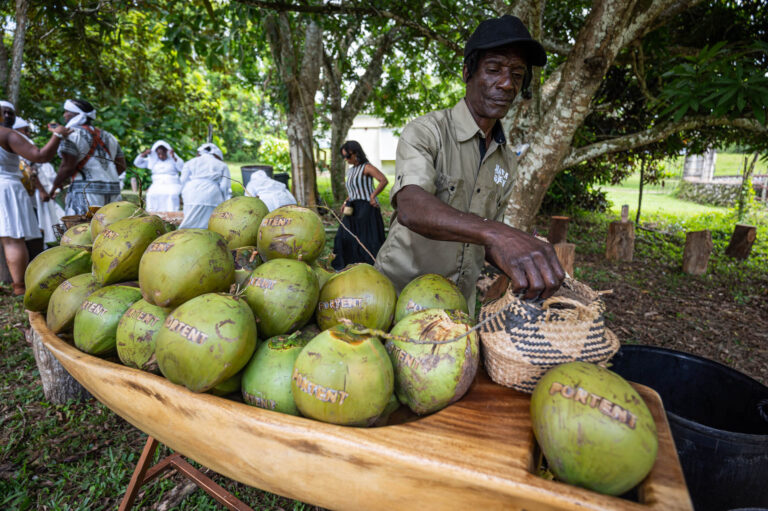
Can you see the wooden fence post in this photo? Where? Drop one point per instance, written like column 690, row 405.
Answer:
column 698, row 247
column 558, row 229
column 566, row 254
column 741, row 241
column 620, row 244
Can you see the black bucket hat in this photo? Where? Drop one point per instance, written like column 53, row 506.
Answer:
column 508, row 29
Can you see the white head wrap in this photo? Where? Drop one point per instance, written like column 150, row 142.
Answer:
column 210, row 149
column 8, row 104
column 20, row 123
column 81, row 116
column 153, row 159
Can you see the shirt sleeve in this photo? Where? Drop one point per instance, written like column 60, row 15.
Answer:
column 415, row 159
column 141, row 161
column 69, row 146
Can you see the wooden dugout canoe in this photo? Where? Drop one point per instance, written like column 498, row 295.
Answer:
column 475, row 454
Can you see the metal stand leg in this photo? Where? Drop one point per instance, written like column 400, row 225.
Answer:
column 144, row 474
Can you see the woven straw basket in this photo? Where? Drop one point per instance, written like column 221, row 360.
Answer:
column 524, row 339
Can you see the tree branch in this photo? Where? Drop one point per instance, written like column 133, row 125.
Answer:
column 402, row 19
column 655, row 134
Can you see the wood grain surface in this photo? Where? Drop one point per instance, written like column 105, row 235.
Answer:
column 475, row 454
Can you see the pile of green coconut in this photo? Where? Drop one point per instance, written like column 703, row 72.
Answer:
column 245, row 307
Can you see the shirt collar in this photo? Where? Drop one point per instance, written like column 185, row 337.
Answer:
column 466, row 127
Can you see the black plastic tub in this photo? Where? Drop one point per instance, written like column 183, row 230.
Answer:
column 719, row 421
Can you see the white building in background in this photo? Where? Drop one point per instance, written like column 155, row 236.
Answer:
column 379, row 141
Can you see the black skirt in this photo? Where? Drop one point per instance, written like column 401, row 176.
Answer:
column 366, row 223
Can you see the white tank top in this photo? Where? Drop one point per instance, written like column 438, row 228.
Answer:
column 9, row 164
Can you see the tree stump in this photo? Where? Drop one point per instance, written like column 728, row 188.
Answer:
column 698, row 247
column 566, row 254
column 620, row 244
column 59, row 386
column 741, row 241
column 558, row 229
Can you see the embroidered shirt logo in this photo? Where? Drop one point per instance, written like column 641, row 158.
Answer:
column 500, row 176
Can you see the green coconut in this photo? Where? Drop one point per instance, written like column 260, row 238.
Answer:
column 111, row 213
column 359, row 293
column 66, row 301
column 117, row 250
column 78, row 235
column 183, row 264
column 136, row 334
column 206, row 341
column 291, row 232
column 282, row 294
column 430, row 291
column 343, row 378
column 246, row 260
column 267, row 377
column 49, row 269
column 228, row 386
column 593, row 428
column 431, row 373
column 96, row 322
column 322, row 274
column 238, row 220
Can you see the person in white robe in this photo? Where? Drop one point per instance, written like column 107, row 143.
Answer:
column 163, row 194
column 49, row 212
column 273, row 193
column 18, row 221
column 205, row 183
column 91, row 157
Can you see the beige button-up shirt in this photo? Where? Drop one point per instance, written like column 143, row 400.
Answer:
column 440, row 152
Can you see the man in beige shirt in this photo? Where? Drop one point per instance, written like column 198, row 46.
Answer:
column 454, row 175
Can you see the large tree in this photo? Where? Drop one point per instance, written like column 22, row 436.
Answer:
column 646, row 40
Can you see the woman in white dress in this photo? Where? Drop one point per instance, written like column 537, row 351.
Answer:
column 49, row 212
column 18, row 221
column 164, row 193
column 205, row 184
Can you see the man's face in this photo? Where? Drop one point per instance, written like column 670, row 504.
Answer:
column 9, row 116
column 68, row 115
column 162, row 153
column 496, row 82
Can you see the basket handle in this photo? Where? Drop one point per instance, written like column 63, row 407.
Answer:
column 580, row 307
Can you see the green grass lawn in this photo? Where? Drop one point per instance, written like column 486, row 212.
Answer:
column 660, row 198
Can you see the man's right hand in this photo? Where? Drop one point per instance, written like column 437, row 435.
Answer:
column 531, row 264
column 145, row 152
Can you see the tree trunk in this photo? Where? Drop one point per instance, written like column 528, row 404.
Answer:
column 342, row 117
column 3, row 67
column 17, row 52
column 59, row 386
column 620, row 245
column 300, row 75
column 549, row 121
column 741, row 241
column 302, row 159
column 640, row 195
column 698, row 247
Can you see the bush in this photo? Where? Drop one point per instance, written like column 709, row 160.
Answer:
column 274, row 151
column 569, row 192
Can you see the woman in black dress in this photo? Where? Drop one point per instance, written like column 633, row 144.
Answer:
column 365, row 217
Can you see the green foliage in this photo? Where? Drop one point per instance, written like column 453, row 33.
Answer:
column 274, row 151
column 719, row 81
